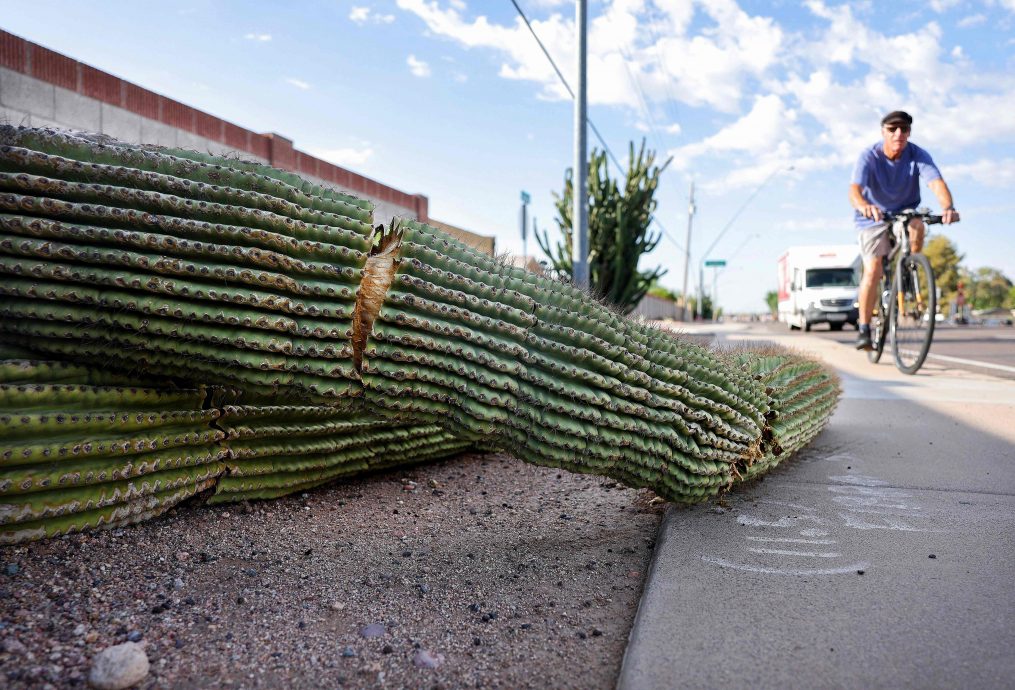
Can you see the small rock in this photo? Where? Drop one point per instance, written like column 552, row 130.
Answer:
column 133, row 636
column 349, row 652
column 932, row 556
column 182, row 556
column 91, row 636
column 14, row 646
column 425, row 659
column 119, row 666
column 178, row 583
column 424, row 589
column 388, row 649
column 373, row 630
column 596, row 632
column 582, row 634
column 336, row 605
column 80, row 629
column 11, row 569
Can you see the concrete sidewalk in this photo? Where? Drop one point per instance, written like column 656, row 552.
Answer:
column 880, row 557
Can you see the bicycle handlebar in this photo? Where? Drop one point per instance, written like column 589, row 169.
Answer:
column 928, row 218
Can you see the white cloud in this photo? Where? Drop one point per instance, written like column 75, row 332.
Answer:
column 710, row 68
column 351, row 156
column 418, row 67
column 298, row 83
column 762, row 131
column 263, row 38
column 990, row 172
column 811, row 96
column 362, row 15
column 461, row 78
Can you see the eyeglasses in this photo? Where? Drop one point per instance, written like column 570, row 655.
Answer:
column 891, row 128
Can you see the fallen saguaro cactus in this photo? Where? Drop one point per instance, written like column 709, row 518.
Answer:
column 330, row 336
column 84, row 448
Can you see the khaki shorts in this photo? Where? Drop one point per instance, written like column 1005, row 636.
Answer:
column 875, row 242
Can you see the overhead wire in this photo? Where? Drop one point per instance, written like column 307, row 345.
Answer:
column 588, row 120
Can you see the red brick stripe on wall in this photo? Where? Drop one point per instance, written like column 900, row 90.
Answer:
column 13, row 52
column 141, row 101
column 99, row 85
column 55, row 68
column 208, row 126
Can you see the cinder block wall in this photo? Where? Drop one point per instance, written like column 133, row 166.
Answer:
column 42, row 88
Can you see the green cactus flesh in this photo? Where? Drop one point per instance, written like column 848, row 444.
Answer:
column 175, row 323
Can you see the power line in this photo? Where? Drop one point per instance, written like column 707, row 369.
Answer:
column 588, row 120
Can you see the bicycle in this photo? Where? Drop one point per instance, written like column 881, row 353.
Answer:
column 907, row 298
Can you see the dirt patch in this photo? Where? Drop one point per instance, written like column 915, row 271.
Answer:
column 476, row 572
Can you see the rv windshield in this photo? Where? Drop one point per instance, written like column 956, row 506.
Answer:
column 832, row 277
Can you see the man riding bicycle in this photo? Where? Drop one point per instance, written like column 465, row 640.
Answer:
column 887, row 179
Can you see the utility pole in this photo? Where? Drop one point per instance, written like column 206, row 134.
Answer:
column 687, row 251
column 580, row 212
column 525, row 226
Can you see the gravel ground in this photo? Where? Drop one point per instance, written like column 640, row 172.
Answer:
column 475, row 572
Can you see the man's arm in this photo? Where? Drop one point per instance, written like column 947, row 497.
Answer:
column 944, row 197
column 857, row 201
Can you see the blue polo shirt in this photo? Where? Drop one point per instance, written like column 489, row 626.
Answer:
column 892, row 185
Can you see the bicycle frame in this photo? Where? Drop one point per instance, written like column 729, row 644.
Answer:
column 902, row 281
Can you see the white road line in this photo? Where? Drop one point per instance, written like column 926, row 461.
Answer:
column 969, row 362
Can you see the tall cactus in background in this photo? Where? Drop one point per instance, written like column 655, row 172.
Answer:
column 619, row 220
column 327, row 348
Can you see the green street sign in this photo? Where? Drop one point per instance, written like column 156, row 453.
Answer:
column 716, row 262
column 526, row 198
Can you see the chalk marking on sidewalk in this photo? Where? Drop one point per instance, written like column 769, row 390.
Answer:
column 861, row 565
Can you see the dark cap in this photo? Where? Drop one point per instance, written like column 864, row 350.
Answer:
column 900, row 117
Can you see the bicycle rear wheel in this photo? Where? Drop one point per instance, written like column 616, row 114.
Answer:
column 879, row 322
column 912, row 312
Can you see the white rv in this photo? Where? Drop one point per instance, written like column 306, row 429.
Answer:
column 819, row 284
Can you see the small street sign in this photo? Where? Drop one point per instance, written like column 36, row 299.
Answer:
column 716, row 262
column 526, row 198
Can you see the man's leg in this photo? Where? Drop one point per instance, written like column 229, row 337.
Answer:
column 873, row 245
column 916, row 232
column 869, row 288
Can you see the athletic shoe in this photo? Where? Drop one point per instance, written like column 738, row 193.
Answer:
column 863, row 341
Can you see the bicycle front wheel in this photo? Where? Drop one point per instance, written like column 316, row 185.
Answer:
column 912, row 312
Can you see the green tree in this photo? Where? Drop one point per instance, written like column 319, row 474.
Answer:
column 772, row 300
column 619, row 235
column 989, row 288
column 945, row 260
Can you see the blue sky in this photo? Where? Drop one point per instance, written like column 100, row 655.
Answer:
column 453, row 99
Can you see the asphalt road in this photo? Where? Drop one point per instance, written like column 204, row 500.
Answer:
column 972, row 348
column 880, row 557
